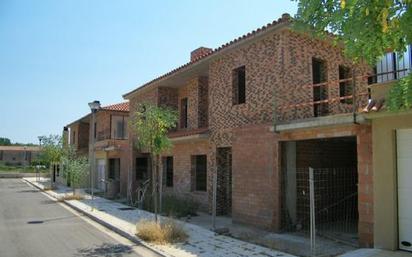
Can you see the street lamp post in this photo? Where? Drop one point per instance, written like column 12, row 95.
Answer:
column 94, row 107
column 38, row 163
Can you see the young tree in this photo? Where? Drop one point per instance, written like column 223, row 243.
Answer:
column 75, row 168
column 151, row 124
column 52, row 151
column 367, row 29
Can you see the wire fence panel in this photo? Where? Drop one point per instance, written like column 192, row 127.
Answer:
column 335, row 202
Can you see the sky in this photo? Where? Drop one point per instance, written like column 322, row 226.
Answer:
column 56, row 56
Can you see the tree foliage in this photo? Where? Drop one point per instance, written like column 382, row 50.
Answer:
column 400, row 95
column 5, row 141
column 151, row 125
column 75, row 168
column 368, row 28
column 52, row 149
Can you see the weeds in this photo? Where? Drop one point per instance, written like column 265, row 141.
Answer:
column 163, row 233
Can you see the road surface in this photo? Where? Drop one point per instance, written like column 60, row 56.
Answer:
column 33, row 225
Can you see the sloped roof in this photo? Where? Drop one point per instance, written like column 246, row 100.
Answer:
column 18, row 148
column 120, row 107
column 283, row 20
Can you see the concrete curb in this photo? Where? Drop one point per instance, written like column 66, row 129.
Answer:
column 122, row 233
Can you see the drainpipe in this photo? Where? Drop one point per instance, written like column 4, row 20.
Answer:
column 354, row 98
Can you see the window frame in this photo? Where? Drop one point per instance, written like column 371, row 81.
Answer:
column 239, row 89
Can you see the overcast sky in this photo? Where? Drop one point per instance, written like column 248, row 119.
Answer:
column 56, row 56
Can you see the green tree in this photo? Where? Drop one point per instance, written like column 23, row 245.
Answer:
column 367, row 29
column 75, row 168
column 52, row 149
column 5, row 141
column 151, row 124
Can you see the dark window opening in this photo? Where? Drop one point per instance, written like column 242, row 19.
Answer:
column 199, row 168
column 239, row 85
column 114, row 169
column 345, row 87
column 1, row 155
column 168, row 171
column 142, row 168
column 320, row 93
column 95, row 130
column 183, row 112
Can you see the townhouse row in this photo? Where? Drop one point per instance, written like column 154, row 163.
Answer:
column 256, row 114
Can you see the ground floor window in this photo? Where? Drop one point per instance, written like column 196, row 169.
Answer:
column 142, row 168
column 199, row 172
column 168, row 171
column 114, row 168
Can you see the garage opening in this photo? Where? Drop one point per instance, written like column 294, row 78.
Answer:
column 334, row 161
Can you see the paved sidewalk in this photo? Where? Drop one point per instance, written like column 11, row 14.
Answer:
column 201, row 242
column 376, row 253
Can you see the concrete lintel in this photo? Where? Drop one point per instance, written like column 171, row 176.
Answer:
column 327, row 121
column 189, row 138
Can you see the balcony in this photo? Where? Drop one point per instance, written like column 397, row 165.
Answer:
column 342, row 101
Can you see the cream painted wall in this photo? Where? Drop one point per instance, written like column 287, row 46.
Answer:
column 385, row 190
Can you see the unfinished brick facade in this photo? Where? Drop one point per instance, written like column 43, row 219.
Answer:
column 278, row 76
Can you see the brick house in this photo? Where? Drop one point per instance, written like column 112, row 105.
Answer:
column 110, row 148
column 18, row 155
column 255, row 111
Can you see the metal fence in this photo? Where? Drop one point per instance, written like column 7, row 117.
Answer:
column 321, row 204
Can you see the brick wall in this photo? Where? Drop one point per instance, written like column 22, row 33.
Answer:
column 255, row 178
column 182, row 166
column 364, row 167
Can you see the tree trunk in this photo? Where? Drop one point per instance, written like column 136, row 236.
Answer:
column 155, row 185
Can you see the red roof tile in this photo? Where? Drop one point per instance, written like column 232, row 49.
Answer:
column 284, row 19
column 120, row 107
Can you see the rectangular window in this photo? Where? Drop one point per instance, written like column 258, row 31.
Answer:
column 114, row 169
column 183, row 112
column 1, row 155
column 345, row 87
column 199, row 169
column 142, row 168
column 239, row 85
column 168, row 171
column 118, row 127
column 95, row 130
column 319, row 77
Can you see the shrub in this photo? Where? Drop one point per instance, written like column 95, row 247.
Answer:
column 175, row 206
column 163, row 233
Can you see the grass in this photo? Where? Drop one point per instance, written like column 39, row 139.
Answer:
column 164, row 233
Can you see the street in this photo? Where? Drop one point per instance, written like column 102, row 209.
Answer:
column 33, row 225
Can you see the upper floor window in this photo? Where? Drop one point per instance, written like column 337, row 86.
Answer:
column 320, row 89
column 239, row 85
column 183, row 113
column 345, row 86
column 394, row 66
column 118, row 127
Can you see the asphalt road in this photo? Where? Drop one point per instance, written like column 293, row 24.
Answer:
column 33, row 225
